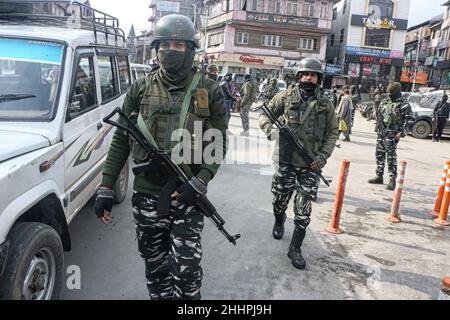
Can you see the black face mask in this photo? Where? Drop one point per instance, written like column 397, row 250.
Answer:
column 174, row 62
column 212, row 76
column 308, row 88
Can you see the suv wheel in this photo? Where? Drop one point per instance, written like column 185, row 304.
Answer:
column 421, row 129
column 121, row 186
column 34, row 265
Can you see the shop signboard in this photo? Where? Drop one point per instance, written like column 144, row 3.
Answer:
column 282, row 19
column 387, row 23
column 408, row 76
column 333, row 69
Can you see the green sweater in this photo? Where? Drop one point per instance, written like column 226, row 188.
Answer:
column 152, row 183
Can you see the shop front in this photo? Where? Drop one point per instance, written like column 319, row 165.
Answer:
column 372, row 68
column 258, row 66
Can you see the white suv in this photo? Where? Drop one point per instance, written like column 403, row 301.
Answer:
column 59, row 76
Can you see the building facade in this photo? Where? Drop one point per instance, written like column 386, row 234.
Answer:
column 367, row 40
column 266, row 38
column 441, row 76
column 415, row 70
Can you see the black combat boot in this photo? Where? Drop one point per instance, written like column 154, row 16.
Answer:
column 376, row 180
column 391, row 185
column 278, row 227
column 295, row 249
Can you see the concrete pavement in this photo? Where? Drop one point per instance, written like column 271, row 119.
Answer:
column 373, row 259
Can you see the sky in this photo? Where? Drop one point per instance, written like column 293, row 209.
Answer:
column 137, row 12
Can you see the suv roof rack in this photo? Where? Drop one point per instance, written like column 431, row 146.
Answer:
column 77, row 16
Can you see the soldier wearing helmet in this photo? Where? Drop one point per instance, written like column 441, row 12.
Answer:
column 248, row 94
column 270, row 90
column 172, row 96
column 393, row 112
column 212, row 71
column 310, row 114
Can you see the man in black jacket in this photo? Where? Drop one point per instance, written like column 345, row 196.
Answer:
column 440, row 116
column 227, row 93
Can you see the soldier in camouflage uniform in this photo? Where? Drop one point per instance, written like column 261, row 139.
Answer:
column 270, row 90
column 169, row 239
column 248, row 94
column 311, row 115
column 394, row 112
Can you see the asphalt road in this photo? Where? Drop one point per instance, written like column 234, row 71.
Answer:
column 373, row 259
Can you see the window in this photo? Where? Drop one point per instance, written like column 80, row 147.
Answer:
column 242, row 38
column 309, row 8
column 124, row 73
column 341, row 40
column 83, row 93
column 271, row 41
column 108, row 78
column 324, row 9
column 379, row 37
column 226, row 5
column 334, row 13
column 215, row 39
column 332, row 39
column 29, row 82
column 306, row 44
column 291, row 7
column 278, row 6
column 345, row 7
column 242, row 5
column 258, row 5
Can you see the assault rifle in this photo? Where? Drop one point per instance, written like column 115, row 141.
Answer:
column 162, row 160
column 380, row 124
column 294, row 140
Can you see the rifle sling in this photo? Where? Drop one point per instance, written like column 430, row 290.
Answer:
column 163, row 204
column 184, row 110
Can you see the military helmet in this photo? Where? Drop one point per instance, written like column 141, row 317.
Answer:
column 274, row 79
column 174, row 27
column 310, row 65
column 212, row 68
column 394, row 89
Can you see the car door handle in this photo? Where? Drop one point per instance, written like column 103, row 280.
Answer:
column 99, row 125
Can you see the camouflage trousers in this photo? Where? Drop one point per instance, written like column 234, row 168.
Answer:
column 171, row 248
column 304, row 182
column 386, row 150
column 245, row 109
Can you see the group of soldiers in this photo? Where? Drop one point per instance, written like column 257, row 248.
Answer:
column 171, row 97
column 248, row 94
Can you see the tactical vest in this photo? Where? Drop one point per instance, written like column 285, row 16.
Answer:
column 161, row 110
column 392, row 117
column 308, row 119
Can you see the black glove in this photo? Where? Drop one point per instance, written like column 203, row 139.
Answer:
column 321, row 161
column 191, row 191
column 103, row 201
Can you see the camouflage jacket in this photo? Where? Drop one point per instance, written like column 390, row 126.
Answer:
column 248, row 93
column 161, row 112
column 269, row 91
column 394, row 115
column 314, row 121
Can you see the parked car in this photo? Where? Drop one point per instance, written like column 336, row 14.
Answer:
column 421, row 123
column 140, row 71
column 57, row 84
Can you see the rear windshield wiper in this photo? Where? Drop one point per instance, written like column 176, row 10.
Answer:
column 14, row 97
